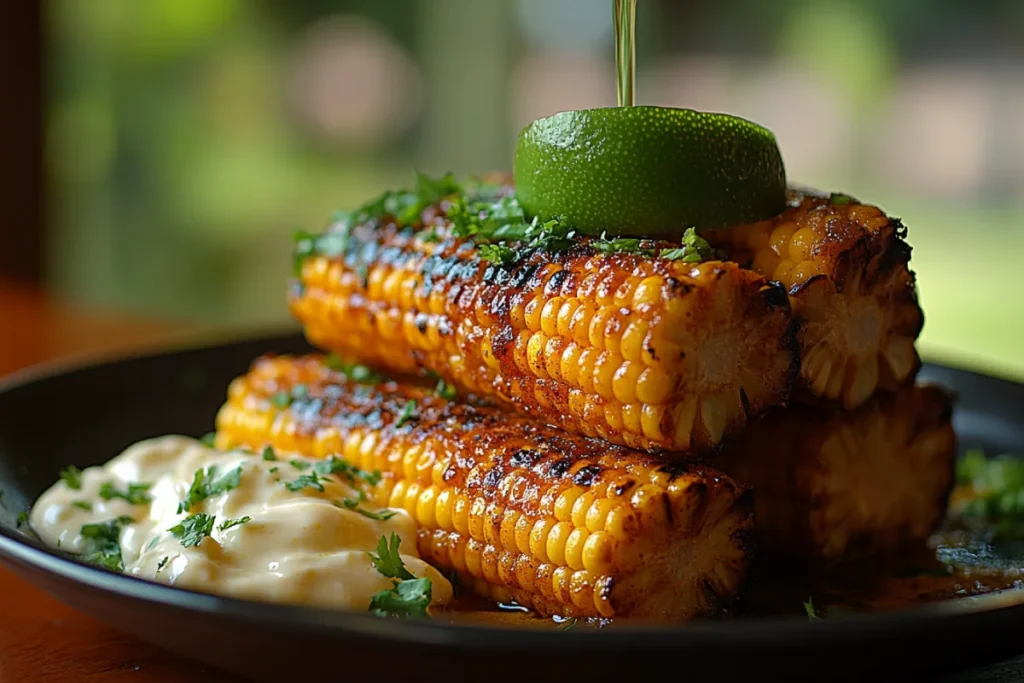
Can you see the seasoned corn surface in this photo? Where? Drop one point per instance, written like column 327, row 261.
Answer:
column 522, row 512
column 640, row 351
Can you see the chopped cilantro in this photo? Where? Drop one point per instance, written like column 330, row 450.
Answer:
column 72, row 477
column 405, row 599
column 695, row 249
column 628, row 245
column 22, row 518
column 193, row 529
column 162, row 563
column 268, row 454
column 312, row 480
column 445, row 390
column 234, row 522
column 408, row 413
column 83, row 504
column 281, row 399
column 299, row 464
column 136, row 494
column 839, row 199
column 497, row 253
column 993, row 499
column 335, row 465
column 205, row 485
column 568, row 624
column 812, row 614
column 208, row 439
column 359, row 374
column 388, row 561
column 103, row 543
column 273, row 469
column 353, row 504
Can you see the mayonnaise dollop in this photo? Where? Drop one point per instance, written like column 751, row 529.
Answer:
column 299, row 547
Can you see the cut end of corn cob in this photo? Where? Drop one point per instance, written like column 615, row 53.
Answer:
column 832, row 485
column 845, row 265
column 523, row 513
column 640, row 351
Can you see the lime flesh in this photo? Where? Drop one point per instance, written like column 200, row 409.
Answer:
column 648, row 171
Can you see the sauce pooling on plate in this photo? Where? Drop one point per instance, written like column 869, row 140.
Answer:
column 261, row 527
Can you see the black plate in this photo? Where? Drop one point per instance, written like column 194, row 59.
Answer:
column 50, row 418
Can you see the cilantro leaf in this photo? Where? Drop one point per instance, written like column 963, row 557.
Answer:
column 193, row 529
column 22, row 518
column 299, row 464
column 388, row 561
column 353, row 504
column 839, row 199
column 408, row 413
column 568, row 624
column 103, row 543
column 445, row 390
column 208, row 439
column 812, row 614
column 335, row 465
column 312, row 480
column 627, row 245
column 72, row 477
column 83, row 504
column 497, row 253
column 136, row 493
column 360, row 374
column 227, row 524
column 281, row 400
column 205, row 485
column 268, row 454
column 405, row 599
column 695, row 249
column 161, row 564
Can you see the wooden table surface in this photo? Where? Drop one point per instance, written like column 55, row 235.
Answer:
column 41, row 640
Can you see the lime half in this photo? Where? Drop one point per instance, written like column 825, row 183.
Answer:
column 648, row 171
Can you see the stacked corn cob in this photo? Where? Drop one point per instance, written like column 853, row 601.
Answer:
column 641, row 365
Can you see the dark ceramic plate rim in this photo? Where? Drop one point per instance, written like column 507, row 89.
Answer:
column 23, row 549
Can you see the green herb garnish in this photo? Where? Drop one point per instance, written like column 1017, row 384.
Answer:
column 353, row 504
column 72, row 477
column 695, row 249
column 83, row 505
column 838, row 199
column 204, row 485
column 404, row 600
column 359, row 374
column 233, row 522
column 22, row 519
column 162, row 563
column 408, row 413
column 568, row 624
column 268, row 454
column 445, row 390
column 812, row 614
column 281, row 400
column 497, row 253
column 193, row 529
column 388, row 561
column 995, row 494
column 300, row 465
column 312, row 480
column 208, row 439
column 335, row 465
column 136, row 493
column 103, row 543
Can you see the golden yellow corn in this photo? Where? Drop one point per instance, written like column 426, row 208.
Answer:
column 832, row 485
column 643, row 352
column 845, row 265
column 521, row 512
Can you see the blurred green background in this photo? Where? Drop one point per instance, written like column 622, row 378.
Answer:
column 187, row 139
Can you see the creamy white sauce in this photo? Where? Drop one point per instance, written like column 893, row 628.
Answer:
column 299, row 547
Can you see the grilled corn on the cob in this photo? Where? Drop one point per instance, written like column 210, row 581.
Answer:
column 845, row 265
column 522, row 512
column 832, row 485
column 641, row 351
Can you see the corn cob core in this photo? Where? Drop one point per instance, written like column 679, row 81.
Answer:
column 832, row 485
column 643, row 352
column 846, row 269
column 522, row 512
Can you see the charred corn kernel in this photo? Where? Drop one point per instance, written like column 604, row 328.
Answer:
column 498, row 332
column 864, row 303
column 561, row 524
column 835, row 485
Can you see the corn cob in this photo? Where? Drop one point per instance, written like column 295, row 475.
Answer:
column 845, row 265
column 643, row 352
column 831, row 485
column 521, row 512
